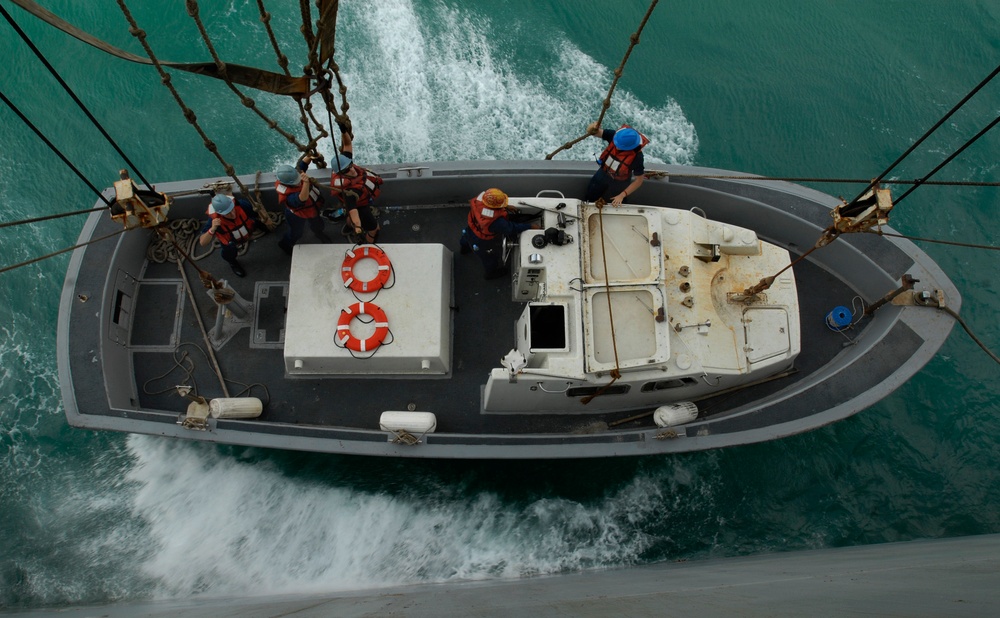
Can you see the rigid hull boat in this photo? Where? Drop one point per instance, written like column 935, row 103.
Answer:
column 620, row 331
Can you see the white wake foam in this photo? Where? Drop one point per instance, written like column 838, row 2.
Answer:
column 222, row 525
column 435, row 84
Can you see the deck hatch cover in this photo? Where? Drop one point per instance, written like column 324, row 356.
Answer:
column 767, row 333
column 269, row 301
column 158, row 311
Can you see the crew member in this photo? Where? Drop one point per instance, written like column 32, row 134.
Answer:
column 301, row 198
column 231, row 221
column 487, row 226
column 622, row 169
column 357, row 188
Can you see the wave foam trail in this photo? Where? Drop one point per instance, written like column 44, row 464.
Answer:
column 223, row 526
column 440, row 84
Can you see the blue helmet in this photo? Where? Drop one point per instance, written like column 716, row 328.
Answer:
column 343, row 162
column 627, row 139
column 223, row 204
column 287, row 175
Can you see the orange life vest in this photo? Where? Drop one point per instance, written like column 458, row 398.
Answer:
column 482, row 216
column 618, row 163
column 232, row 230
column 365, row 184
column 308, row 210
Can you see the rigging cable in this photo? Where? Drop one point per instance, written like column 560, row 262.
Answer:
column 949, row 159
column 55, row 253
column 201, row 326
column 189, row 114
column 914, row 146
column 47, row 217
column 634, row 40
column 72, row 94
column 41, row 136
column 799, row 179
column 965, row 326
column 325, row 39
column 251, row 77
column 194, row 12
column 933, row 240
column 305, row 106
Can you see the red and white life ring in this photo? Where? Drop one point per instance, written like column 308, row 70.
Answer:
column 351, row 342
column 353, row 256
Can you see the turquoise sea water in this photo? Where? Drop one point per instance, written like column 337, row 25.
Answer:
column 781, row 88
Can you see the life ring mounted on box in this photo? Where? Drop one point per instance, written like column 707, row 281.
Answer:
column 349, row 341
column 355, row 255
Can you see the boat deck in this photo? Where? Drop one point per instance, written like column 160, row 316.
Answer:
column 253, row 356
column 128, row 336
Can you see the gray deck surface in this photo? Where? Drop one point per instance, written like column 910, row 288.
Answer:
column 455, row 401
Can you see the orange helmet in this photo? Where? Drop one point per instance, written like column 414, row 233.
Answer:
column 495, row 198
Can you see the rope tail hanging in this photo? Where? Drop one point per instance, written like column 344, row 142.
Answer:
column 634, row 40
column 616, row 372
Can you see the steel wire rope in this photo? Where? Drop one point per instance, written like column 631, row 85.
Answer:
column 48, row 217
column 968, row 331
column 871, row 185
column 948, row 159
column 189, row 114
column 634, row 40
column 934, row 240
column 55, row 253
column 72, row 94
column 915, row 181
column 48, row 143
